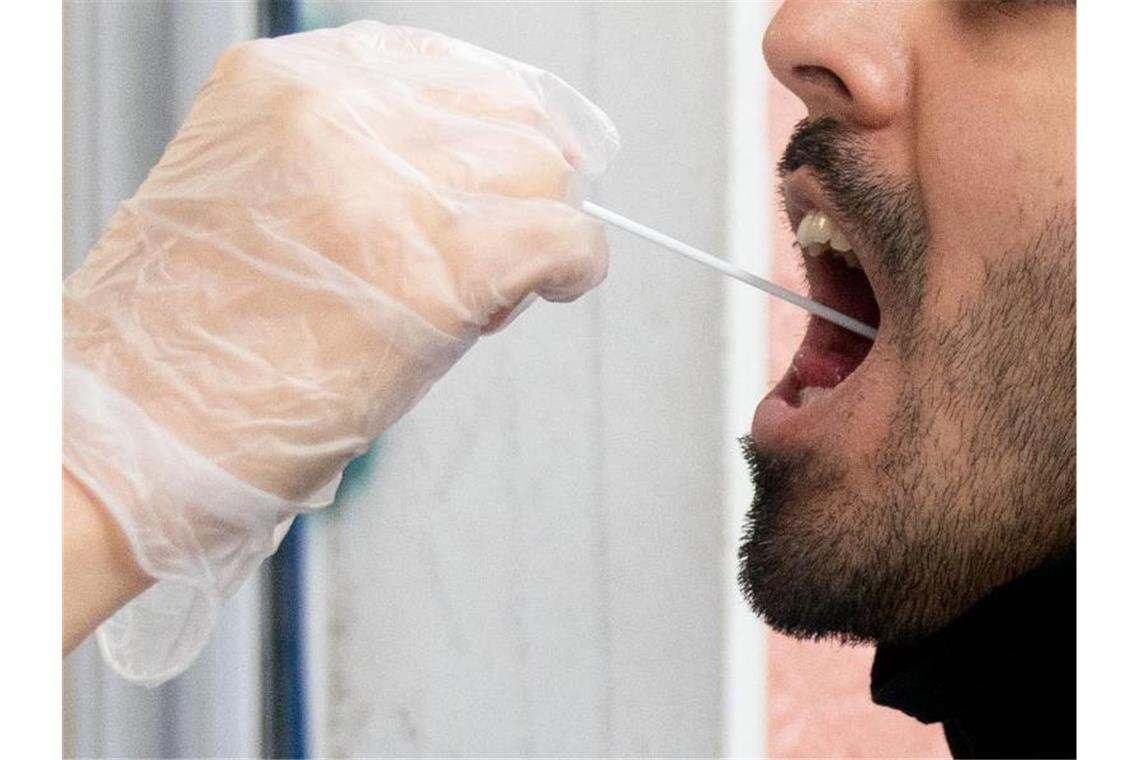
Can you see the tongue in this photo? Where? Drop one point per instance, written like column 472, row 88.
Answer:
column 823, row 368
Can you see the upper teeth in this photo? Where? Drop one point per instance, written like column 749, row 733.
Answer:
column 817, row 231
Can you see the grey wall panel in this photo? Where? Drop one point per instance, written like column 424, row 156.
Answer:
column 117, row 71
column 530, row 562
column 661, row 78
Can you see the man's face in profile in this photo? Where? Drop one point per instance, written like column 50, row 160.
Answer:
column 899, row 481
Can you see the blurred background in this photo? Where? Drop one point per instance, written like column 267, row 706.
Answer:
column 540, row 558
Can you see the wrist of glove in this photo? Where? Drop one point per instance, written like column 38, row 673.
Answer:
column 341, row 216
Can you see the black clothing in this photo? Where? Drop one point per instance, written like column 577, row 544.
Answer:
column 1002, row 678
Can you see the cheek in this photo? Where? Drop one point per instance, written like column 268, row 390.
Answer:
column 993, row 159
column 985, row 165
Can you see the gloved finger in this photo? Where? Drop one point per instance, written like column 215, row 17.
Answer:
column 586, row 134
column 516, row 161
column 583, row 130
column 504, row 145
column 401, row 63
column 453, row 150
column 511, row 249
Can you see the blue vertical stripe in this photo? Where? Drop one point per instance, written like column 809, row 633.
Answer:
column 291, row 692
column 281, row 17
column 287, row 690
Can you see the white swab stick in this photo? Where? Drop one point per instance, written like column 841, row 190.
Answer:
column 733, row 271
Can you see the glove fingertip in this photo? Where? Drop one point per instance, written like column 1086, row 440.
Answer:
column 584, row 269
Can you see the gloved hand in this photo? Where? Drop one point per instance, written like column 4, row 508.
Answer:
column 339, row 218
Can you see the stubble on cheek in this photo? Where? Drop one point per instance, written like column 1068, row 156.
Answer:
column 1005, row 367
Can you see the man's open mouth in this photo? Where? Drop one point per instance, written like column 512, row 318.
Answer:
column 829, row 354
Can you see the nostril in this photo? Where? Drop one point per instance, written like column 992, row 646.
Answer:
column 824, row 77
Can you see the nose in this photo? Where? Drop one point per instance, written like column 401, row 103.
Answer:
column 846, row 59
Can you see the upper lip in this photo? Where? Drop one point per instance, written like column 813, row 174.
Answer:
column 803, row 193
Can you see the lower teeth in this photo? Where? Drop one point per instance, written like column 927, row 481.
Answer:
column 810, row 393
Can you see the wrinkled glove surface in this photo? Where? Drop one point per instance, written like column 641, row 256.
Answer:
column 342, row 214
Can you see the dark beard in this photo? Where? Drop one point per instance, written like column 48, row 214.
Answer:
column 975, row 483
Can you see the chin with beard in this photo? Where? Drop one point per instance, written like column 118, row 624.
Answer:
column 932, row 528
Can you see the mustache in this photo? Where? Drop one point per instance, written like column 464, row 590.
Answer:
column 887, row 210
column 822, row 145
column 841, row 161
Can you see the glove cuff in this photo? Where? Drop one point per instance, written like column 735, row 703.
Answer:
column 192, row 526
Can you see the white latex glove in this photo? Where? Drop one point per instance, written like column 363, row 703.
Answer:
column 340, row 217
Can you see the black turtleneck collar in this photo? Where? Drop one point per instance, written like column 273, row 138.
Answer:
column 1002, row 678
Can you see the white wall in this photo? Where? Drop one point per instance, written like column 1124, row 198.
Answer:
column 533, row 562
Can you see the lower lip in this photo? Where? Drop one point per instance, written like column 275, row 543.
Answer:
column 777, row 422
column 773, row 423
